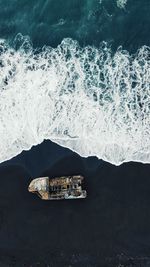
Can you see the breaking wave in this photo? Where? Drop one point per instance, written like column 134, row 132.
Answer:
column 89, row 99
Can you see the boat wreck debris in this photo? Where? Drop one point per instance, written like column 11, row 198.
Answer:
column 65, row 187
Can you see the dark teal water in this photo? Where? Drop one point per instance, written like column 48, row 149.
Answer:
column 85, row 74
column 88, row 21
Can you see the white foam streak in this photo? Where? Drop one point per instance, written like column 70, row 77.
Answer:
column 121, row 3
column 86, row 99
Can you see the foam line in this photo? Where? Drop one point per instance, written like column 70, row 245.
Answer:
column 87, row 99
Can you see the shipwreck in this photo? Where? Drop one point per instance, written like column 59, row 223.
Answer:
column 65, row 187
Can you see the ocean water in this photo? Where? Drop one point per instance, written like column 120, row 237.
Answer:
column 77, row 73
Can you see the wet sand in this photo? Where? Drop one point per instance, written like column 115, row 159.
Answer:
column 110, row 227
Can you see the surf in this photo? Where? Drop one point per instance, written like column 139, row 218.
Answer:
column 92, row 100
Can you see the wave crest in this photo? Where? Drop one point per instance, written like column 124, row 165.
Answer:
column 88, row 99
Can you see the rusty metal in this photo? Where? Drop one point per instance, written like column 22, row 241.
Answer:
column 65, row 187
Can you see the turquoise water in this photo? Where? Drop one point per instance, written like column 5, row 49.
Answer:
column 88, row 21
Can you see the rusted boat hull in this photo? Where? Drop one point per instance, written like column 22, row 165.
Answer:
column 65, row 187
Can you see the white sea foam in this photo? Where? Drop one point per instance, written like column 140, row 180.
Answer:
column 87, row 99
column 121, row 3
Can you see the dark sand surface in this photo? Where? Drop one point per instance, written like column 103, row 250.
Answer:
column 109, row 228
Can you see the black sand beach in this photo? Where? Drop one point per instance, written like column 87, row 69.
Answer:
column 110, row 227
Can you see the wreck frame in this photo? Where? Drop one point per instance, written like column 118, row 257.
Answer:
column 64, row 187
